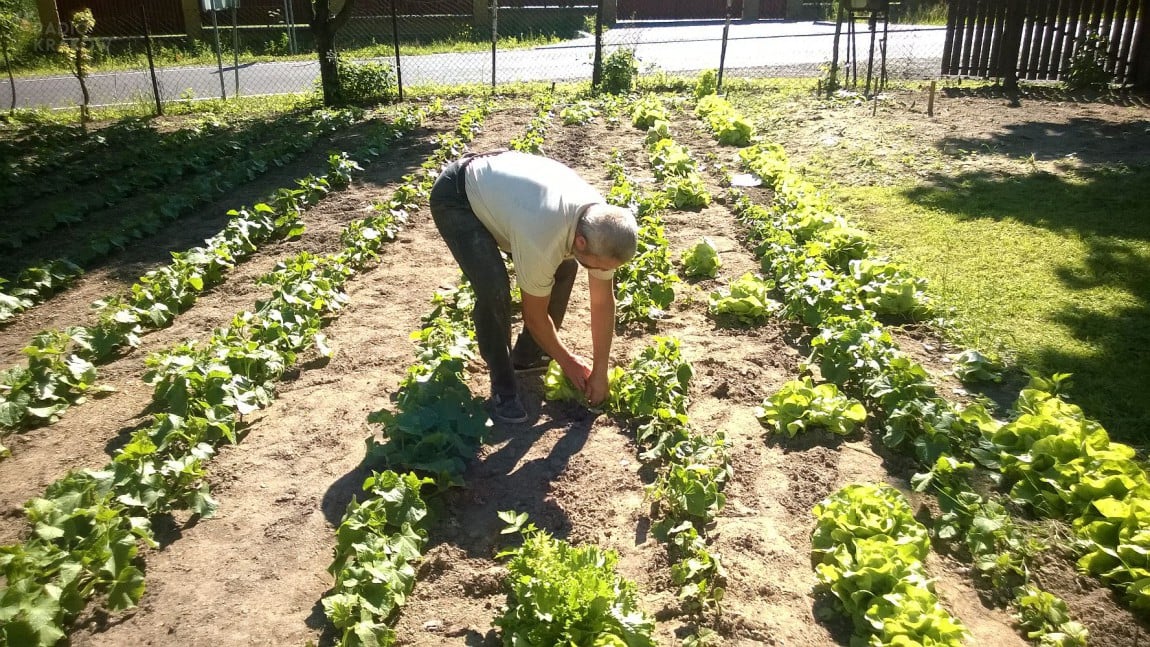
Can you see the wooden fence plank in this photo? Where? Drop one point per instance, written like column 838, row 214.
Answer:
column 968, row 40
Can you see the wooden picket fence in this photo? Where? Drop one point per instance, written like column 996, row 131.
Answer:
column 1036, row 39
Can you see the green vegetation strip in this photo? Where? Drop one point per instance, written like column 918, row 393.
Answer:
column 61, row 368
column 37, row 283
column 531, row 141
column 140, row 163
column 436, row 427
column 802, row 244
column 651, row 395
column 86, row 528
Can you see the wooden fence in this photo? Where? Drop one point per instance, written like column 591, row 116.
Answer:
column 1037, row 39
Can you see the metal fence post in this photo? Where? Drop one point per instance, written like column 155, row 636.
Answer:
column 597, row 65
column 395, row 40
column 723, row 50
column 494, row 37
column 289, row 18
column 151, row 61
column 219, row 57
column 236, row 47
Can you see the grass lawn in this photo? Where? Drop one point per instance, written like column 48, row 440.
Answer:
column 1045, row 260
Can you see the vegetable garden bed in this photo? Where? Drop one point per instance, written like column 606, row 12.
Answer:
column 256, row 572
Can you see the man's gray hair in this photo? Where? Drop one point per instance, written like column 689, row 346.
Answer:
column 610, row 231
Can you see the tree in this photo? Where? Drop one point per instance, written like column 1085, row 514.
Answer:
column 9, row 26
column 83, row 24
column 325, row 24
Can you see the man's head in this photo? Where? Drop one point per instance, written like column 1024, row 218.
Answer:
column 605, row 237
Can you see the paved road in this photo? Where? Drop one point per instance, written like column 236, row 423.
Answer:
column 761, row 49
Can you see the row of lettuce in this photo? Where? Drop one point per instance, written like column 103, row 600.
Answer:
column 1057, row 463
column 62, row 364
column 85, row 531
column 188, row 181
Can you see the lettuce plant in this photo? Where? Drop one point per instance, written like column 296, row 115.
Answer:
column 701, row 260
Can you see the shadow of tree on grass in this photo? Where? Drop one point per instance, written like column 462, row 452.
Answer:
column 1107, row 211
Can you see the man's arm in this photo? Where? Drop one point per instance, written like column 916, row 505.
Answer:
column 542, row 330
column 602, row 332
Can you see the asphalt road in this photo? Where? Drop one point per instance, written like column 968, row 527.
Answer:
column 758, row 49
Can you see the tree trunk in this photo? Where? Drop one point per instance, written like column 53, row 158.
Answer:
column 324, row 27
column 11, row 81
column 81, row 74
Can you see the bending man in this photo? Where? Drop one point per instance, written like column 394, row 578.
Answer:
column 551, row 221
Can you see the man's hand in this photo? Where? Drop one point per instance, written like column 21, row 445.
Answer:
column 578, row 371
column 597, row 388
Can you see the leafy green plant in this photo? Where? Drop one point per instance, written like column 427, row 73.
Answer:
column 690, row 488
column 669, row 159
column 972, row 366
column 1088, row 64
column 646, row 111
column 531, row 141
column 688, row 192
column 698, row 572
column 799, row 405
column 888, row 289
column 620, row 68
column 1046, row 619
column 657, row 379
column 437, row 424
column 745, row 299
column 578, row 114
column 868, row 551
column 707, row 83
column 377, row 545
column 366, row 83
column 560, row 594
column 643, row 286
column 728, row 126
column 701, row 260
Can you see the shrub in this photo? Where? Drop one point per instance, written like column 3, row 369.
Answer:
column 620, row 68
column 1088, row 65
column 365, row 83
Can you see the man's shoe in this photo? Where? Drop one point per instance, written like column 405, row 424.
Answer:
column 532, row 367
column 508, row 408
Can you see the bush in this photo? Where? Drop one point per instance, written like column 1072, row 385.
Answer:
column 365, row 83
column 1088, row 65
column 620, row 68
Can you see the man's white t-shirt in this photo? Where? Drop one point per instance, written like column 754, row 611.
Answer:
column 531, row 205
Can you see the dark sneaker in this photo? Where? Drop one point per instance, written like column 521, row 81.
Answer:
column 508, row 408
column 532, row 367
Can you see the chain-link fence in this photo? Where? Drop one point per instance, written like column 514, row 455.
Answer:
column 264, row 47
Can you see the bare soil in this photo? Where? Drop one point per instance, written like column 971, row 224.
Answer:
column 254, row 574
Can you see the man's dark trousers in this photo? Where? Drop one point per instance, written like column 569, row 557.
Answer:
column 477, row 253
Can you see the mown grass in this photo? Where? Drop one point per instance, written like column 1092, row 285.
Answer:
column 1045, row 262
